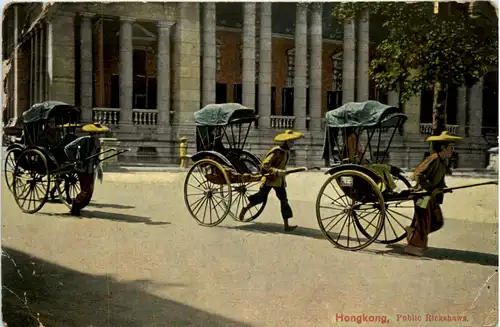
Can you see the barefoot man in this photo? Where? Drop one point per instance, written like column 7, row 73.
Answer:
column 274, row 164
column 430, row 176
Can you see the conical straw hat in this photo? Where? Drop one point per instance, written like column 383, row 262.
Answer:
column 95, row 128
column 444, row 137
column 288, row 135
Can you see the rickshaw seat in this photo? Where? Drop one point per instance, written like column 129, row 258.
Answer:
column 384, row 172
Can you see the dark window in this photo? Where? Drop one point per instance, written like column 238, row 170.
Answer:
column 139, row 62
column 115, row 91
column 287, row 101
column 140, row 92
column 333, row 100
column 152, row 93
column 220, row 93
column 238, row 93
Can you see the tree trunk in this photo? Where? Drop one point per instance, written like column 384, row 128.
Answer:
column 439, row 114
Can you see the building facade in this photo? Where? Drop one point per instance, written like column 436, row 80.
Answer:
column 145, row 68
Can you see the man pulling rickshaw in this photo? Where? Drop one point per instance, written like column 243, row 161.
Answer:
column 430, row 177
column 274, row 169
column 87, row 147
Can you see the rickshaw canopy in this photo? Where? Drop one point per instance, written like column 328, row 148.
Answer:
column 224, row 114
column 41, row 112
column 364, row 114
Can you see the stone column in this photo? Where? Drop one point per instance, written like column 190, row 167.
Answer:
column 186, row 84
column 349, row 63
column 265, row 64
column 315, row 88
column 16, row 64
column 462, row 109
column 476, row 111
column 126, row 71
column 248, row 78
column 41, row 67
column 61, row 57
column 209, row 53
column 32, row 68
column 300, row 78
column 363, row 78
column 86, row 71
column 412, row 125
column 393, row 98
column 36, row 72
column 163, row 73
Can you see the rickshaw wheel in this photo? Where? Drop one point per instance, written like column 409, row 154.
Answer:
column 346, row 209
column 31, row 182
column 208, row 183
column 68, row 188
column 9, row 166
column 399, row 215
column 241, row 192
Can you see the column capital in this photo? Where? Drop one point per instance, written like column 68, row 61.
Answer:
column 86, row 15
column 126, row 19
column 302, row 5
column 164, row 24
column 317, row 6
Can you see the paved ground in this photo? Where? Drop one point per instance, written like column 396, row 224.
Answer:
column 138, row 259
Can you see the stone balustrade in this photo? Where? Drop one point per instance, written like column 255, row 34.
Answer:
column 145, row 116
column 280, row 122
column 106, row 116
column 426, row 128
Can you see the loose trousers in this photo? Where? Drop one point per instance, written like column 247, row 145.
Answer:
column 427, row 220
column 262, row 195
column 87, row 189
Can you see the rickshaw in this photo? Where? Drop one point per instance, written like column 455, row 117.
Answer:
column 14, row 132
column 37, row 165
column 223, row 174
column 366, row 197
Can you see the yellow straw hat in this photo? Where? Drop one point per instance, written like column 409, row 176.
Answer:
column 288, row 135
column 183, row 138
column 444, row 137
column 95, row 128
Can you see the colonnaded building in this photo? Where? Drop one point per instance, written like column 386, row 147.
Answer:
column 145, row 68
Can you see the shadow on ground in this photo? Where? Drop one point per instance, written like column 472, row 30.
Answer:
column 272, row 228
column 397, row 250
column 66, row 298
column 481, row 258
column 109, row 205
column 96, row 214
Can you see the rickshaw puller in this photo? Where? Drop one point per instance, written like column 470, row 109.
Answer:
column 430, row 177
column 87, row 176
column 274, row 164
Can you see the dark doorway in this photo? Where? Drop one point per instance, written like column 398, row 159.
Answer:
column 115, row 91
column 333, row 99
column 238, row 93
column 287, row 101
column 220, row 93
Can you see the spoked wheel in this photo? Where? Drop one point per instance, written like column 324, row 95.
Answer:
column 340, row 209
column 399, row 214
column 68, row 188
column 241, row 192
column 208, row 192
column 9, row 165
column 31, row 182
